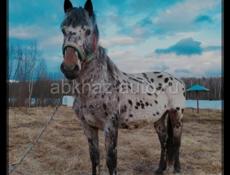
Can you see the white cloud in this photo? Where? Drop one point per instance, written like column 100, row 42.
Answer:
column 117, row 40
column 52, row 41
column 196, row 65
column 180, row 17
column 24, row 32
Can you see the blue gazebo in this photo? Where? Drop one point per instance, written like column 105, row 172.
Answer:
column 197, row 88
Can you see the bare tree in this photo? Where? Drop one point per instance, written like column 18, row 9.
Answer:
column 26, row 60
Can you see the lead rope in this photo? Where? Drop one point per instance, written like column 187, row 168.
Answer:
column 13, row 166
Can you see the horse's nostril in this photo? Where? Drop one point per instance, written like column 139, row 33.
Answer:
column 76, row 68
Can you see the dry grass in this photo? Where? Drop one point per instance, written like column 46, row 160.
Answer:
column 63, row 149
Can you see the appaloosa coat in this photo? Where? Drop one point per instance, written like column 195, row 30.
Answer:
column 108, row 99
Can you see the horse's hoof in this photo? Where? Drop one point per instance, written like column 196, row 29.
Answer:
column 177, row 171
column 159, row 171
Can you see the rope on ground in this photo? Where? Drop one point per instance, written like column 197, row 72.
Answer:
column 13, row 166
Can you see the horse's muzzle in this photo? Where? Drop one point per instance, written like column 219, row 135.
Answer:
column 70, row 72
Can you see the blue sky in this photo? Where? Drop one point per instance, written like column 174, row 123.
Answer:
column 182, row 37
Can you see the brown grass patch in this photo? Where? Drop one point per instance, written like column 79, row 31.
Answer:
column 63, row 149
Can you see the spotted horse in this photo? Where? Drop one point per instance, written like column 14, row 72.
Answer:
column 108, row 99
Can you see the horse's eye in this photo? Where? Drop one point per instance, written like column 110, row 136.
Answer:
column 87, row 32
column 63, row 31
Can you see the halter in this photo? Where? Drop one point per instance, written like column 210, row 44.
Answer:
column 83, row 56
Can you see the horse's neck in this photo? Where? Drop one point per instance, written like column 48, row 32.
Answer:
column 101, row 69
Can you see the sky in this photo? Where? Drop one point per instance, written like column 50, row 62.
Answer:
column 182, row 37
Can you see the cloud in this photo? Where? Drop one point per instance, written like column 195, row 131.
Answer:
column 179, row 17
column 186, row 46
column 24, row 32
column 118, row 41
column 212, row 48
column 198, row 65
column 52, row 41
column 203, row 18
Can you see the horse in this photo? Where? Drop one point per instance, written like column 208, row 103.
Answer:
column 108, row 99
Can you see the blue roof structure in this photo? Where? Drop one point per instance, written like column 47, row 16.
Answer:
column 197, row 87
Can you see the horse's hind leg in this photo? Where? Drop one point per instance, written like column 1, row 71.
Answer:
column 111, row 134
column 92, row 136
column 174, row 139
column 161, row 130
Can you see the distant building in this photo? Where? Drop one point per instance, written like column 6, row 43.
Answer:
column 68, row 100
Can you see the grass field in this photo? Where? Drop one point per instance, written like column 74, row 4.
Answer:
column 63, row 149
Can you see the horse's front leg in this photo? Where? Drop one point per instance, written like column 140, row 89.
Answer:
column 162, row 135
column 92, row 136
column 111, row 134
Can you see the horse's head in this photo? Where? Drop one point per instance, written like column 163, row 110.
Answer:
column 80, row 37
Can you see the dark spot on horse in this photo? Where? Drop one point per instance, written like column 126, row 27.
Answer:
column 184, row 93
column 170, row 83
column 171, row 78
column 139, row 78
column 91, row 106
column 135, row 80
column 83, row 118
column 124, row 109
column 182, row 89
column 156, row 101
column 177, row 108
column 158, row 113
column 154, row 114
column 117, row 83
column 165, row 106
column 136, row 107
column 130, row 102
column 152, row 80
column 146, row 77
column 130, row 115
column 106, row 114
column 104, row 106
column 118, row 98
column 166, row 80
column 146, row 103
column 129, row 86
column 142, row 106
column 159, row 76
column 151, row 86
column 138, row 104
column 150, row 104
column 158, row 88
column 124, row 73
column 87, row 33
column 149, row 94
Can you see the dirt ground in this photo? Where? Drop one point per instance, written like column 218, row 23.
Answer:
column 63, row 149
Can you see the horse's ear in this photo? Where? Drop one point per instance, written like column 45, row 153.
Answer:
column 89, row 7
column 67, row 5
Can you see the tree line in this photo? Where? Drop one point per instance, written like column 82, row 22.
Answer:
column 214, row 84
